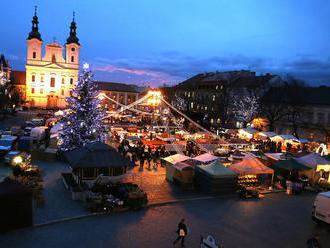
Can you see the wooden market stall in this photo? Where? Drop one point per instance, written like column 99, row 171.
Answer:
column 96, row 159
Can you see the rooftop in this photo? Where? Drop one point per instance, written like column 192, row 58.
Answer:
column 121, row 87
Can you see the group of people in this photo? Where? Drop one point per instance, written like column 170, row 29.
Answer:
column 141, row 154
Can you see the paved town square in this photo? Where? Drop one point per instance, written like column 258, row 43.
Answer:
column 276, row 221
column 165, row 124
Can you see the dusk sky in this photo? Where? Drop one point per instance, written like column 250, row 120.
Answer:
column 156, row 42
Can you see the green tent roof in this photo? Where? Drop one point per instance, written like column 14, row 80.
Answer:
column 216, row 169
column 290, row 164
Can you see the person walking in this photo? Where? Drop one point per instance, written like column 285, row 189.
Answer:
column 155, row 158
column 181, row 232
column 142, row 157
column 149, row 157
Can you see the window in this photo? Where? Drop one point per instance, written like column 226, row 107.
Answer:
column 192, row 105
column 32, row 90
column 71, row 80
column 41, row 91
column 33, row 78
column 53, row 58
column 63, row 81
column 42, row 79
column 62, row 92
column 213, row 98
column 34, row 55
column 52, row 82
column 88, row 173
column 310, row 117
column 73, row 49
column 320, row 118
column 212, row 121
column 72, row 59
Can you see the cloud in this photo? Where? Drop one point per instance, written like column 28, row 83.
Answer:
column 173, row 67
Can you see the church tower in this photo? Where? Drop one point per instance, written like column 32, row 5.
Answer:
column 50, row 78
column 34, row 41
column 72, row 45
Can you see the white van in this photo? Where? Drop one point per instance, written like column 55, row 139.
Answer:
column 321, row 209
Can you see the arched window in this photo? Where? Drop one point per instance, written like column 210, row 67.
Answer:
column 63, row 81
column 72, row 59
column 34, row 55
column 53, row 58
column 33, row 79
column 42, row 79
column 32, row 90
column 71, row 80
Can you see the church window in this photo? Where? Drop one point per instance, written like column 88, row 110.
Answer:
column 62, row 92
column 63, row 81
column 34, row 55
column 72, row 59
column 33, row 79
column 71, row 80
column 53, row 58
column 32, row 90
column 42, row 79
column 41, row 91
column 73, row 49
column 52, row 82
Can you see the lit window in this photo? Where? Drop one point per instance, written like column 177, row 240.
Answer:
column 212, row 121
column 72, row 59
column 52, row 82
column 62, row 92
column 41, row 91
column 205, row 107
column 213, row 98
column 32, row 90
column 191, row 105
column 217, row 87
column 34, row 55
column 63, row 81
column 218, row 120
column 33, row 78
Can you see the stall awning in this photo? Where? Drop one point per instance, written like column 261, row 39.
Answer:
column 250, row 166
column 96, row 155
column 182, row 166
column 205, row 158
column 216, row 169
column 176, row 158
column 290, row 165
column 312, row 160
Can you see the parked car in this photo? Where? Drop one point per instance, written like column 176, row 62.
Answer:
column 321, row 208
column 12, row 154
column 7, row 143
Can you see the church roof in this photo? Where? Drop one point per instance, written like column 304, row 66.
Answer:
column 19, row 77
column 120, row 87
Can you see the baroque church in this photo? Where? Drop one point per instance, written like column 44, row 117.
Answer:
column 49, row 76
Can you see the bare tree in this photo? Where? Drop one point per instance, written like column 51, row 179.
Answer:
column 245, row 107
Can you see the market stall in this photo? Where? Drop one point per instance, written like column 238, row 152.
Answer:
column 247, row 133
column 252, row 172
column 320, row 167
column 215, row 178
column 263, row 136
column 205, row 158
column 182, row 173
column 170, row 161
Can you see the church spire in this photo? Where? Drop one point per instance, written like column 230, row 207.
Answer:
column 34, row 34
column 73, row 32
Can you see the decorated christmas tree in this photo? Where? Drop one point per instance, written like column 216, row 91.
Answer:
column 82, row 122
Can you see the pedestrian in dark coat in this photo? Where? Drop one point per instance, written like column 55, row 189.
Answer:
column 181, row 232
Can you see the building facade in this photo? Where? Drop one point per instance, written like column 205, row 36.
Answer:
column 208, row 97
column 50, row 77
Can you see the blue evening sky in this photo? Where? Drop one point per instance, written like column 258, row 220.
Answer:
column 167, row 41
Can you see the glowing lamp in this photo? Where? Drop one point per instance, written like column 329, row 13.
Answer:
column 17, row 160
